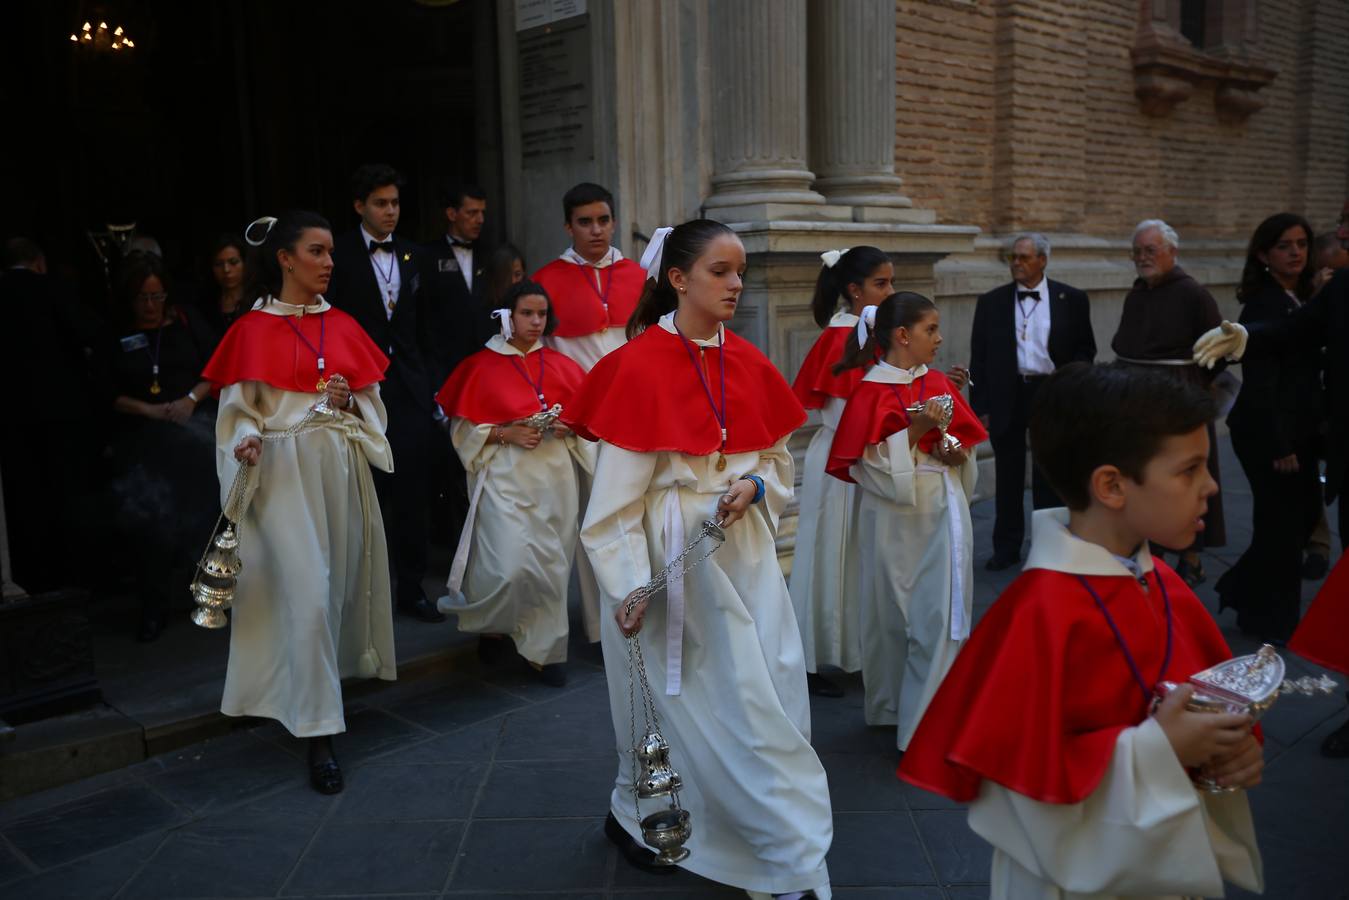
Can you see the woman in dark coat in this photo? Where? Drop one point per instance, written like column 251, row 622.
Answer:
column 1276, row 426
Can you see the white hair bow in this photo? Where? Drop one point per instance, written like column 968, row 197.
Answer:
column 504, row 315
column 831, row 257
column 269, row 221
column 865, row 322
column 654, row 250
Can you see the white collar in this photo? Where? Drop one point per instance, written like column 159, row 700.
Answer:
column 842, row 319
column 370, row 239
column 667, row 322
column 609, row 258
column 1054, row 547
column 1042, row 288
column 498, row 344
column 888, row 374
column 275, row 307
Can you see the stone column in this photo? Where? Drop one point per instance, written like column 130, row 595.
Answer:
column 852, row 102
column 758, row 110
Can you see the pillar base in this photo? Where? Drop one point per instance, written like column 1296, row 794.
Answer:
column 775, row 211
column 864, row 190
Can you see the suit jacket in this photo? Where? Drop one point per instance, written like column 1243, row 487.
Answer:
column 993, row 367
column 458, row 320
column 1322, row 321
column 404, row 336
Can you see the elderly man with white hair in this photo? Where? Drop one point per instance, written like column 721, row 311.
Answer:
column 1164, row 313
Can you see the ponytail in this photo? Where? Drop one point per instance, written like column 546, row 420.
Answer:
column 842, row 268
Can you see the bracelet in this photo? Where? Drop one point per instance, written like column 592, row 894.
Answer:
column 193, row 395
column 501, row 436
column 758, row 486
column 351, row 400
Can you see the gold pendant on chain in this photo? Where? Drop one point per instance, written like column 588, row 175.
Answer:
column 322, row 385
column 155, row 388
column 721, row 462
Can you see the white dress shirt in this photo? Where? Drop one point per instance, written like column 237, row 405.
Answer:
column 387, row 275
column 464, row 256
column 1031, row 320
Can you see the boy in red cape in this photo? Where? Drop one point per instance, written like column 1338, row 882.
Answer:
column 1043, row 725
column 1323, row 638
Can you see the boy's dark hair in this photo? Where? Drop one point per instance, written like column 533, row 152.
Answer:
column 528, row 288
column 371, row 177
column 454, row 194
column 583, row 194
column 1087, row 416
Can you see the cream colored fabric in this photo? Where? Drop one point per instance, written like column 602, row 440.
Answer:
column 911, row 575
column 826, row 609
column 312, row 605
column 587, row 349
column 1144, row 834
column 739, row 730
column 521, row 545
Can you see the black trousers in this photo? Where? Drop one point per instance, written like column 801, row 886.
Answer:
column 1009, row 466
column 1265, row 585
column 404, row 493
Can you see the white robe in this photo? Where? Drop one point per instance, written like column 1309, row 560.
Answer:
column 525, row 524
column 1144, row 833
column 739, row 730
column 913, row 559
column 824, row 601
column 312, row 605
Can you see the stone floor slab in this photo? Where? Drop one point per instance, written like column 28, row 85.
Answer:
column 454, row 706
column 410, row 793
column 370, row 858
column 960, row 855
column 193, row 777
column 874, row 849
column 532, row 789
column 90, row 824
column 95, row 877
column 534, row 855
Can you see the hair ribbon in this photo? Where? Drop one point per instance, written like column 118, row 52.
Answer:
column 831, row 257
column 865, row 322
column 654, row 250
column 269, row 221
column 504, row 315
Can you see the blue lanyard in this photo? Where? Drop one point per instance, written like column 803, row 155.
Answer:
column 719, row 415
column 904, row 407
column 1119, row 638
column 318, row 351
column 523, row 369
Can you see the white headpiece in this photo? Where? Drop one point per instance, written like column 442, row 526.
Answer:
column 865, row 322
column 831, row 257
column 269, row 221
column 654, row 250
column 504, row 315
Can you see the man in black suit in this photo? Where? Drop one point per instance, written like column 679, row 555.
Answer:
column 377, row 279
column 1023, row 331
column 455, row 281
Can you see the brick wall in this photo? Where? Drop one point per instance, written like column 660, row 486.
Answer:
column 1022, row 114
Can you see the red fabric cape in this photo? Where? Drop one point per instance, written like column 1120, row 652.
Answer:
column 646, row 396
column 1037, row 698
column 489, row 389
column 262, row 347
column 1323, row 635
column 576, row 298
column 816, row 382
column 875, row 411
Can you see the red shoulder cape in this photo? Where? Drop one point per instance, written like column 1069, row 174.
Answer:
column 488, row 388
column 877, row 410
column 260, row 346
column 576, row 299
column 1037, row 698
column 816, row 382
column 1323, row 635
column 646, row 397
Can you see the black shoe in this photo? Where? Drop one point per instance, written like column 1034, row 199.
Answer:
column 822, row 687
column 1314, row 567
column 151, row 626
column 553, row 674
column 326, row 777
column 492, row 650
column 421, row 608
column 1000, row 561
column 637, row 856
column 1336, row 744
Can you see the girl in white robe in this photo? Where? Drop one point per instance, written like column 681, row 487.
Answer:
column 825, row 605
column 911, row 550
column 692, row 423
column 312, row 603
column 511, row 571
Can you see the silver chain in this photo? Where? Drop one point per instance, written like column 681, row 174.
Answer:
column 658, row 581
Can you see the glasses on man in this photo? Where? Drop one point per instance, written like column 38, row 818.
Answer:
column 1145, row 252
column 156, row 297
column 1010, row 258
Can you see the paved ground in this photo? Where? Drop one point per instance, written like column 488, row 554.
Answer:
column 495, row 786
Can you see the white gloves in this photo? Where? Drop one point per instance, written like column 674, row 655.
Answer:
column 1227, row 341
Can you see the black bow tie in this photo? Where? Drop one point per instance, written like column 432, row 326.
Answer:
column 455, row 242
column 376, row 246
column 1027, row 295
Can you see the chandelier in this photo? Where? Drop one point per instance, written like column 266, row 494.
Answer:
column 103, row 37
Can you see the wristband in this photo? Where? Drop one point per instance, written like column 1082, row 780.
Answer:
column 351, row 401
column 193, row 395
column 758, row 486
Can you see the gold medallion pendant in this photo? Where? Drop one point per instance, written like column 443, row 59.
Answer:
column 721, row 462
column 155, row 388
column 322, row 385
